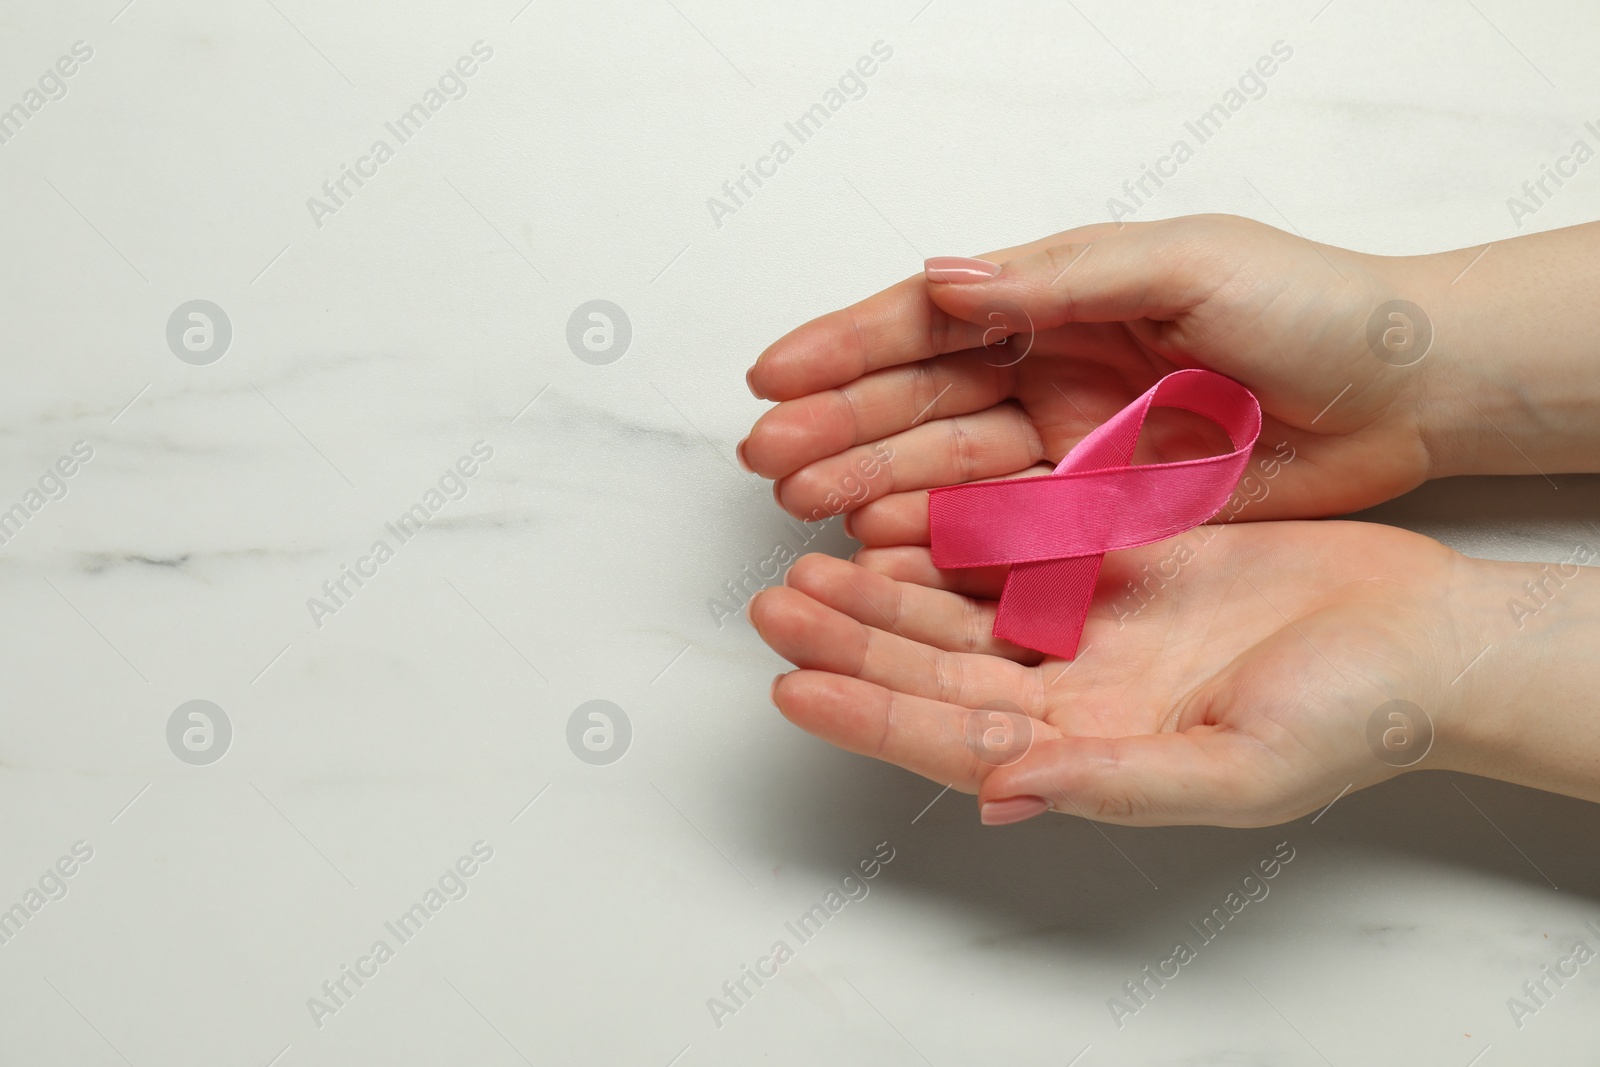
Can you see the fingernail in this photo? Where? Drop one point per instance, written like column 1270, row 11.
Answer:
column 1011, row 809
column 750, row 383
column 850, row 526
column 772, row 694
column 959, row 269
column 748, row 604
column 739, row 455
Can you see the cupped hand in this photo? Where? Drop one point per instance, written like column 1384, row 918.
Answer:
column 910, row 389
column 1232, row 683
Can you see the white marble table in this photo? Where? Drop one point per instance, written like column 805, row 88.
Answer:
column 396, row 766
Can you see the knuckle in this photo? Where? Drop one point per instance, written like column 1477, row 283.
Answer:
column 972, row 628
column 940, row 327
column 946, row 677
column 1038, row 700
column 852, row 411
column 1097, row 788
column 961, row 446
column 1118, row 805
column 1058, row 257
column 854, row 314
column 924, row 381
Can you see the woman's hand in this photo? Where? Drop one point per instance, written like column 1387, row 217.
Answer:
column 1235, row 681
column 1096, row 316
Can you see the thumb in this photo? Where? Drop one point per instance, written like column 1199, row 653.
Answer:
column 1094, row 274
column 1204, row 776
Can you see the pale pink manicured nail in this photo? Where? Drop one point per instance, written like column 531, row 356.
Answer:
column 739, row 454
column 750, row 383
column 959, row 269
column 1011, row 809
column 772, row 694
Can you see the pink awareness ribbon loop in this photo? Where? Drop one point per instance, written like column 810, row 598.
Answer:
column 1055, row 529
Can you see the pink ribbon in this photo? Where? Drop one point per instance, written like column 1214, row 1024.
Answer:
column 1055, row 529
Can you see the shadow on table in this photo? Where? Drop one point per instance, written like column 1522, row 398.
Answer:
column 1097, row 882
column 1512, row 518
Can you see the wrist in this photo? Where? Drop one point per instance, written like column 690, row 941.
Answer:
column 1521, row 704
column 1472, row 698
column 1459, row 397
column 1510, row 383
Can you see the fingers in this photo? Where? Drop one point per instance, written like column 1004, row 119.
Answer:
column 899, row 325
column 991, row 443
column 913, row 564
column 923, row 736
column 944, row 620
column 801, row 431
column 902, row 518
column 1204, row 775
column 826, row 368
column 815, row 636
column 1141, row 271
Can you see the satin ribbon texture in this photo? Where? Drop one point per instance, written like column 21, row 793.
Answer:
column 1055, row 529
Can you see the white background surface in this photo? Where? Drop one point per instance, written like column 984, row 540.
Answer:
column 371, row 351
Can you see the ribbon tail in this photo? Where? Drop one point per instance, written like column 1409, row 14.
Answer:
column 1044, row 604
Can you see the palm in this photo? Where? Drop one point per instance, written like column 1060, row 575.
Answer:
column 1076, row 377
column 1247, row 671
